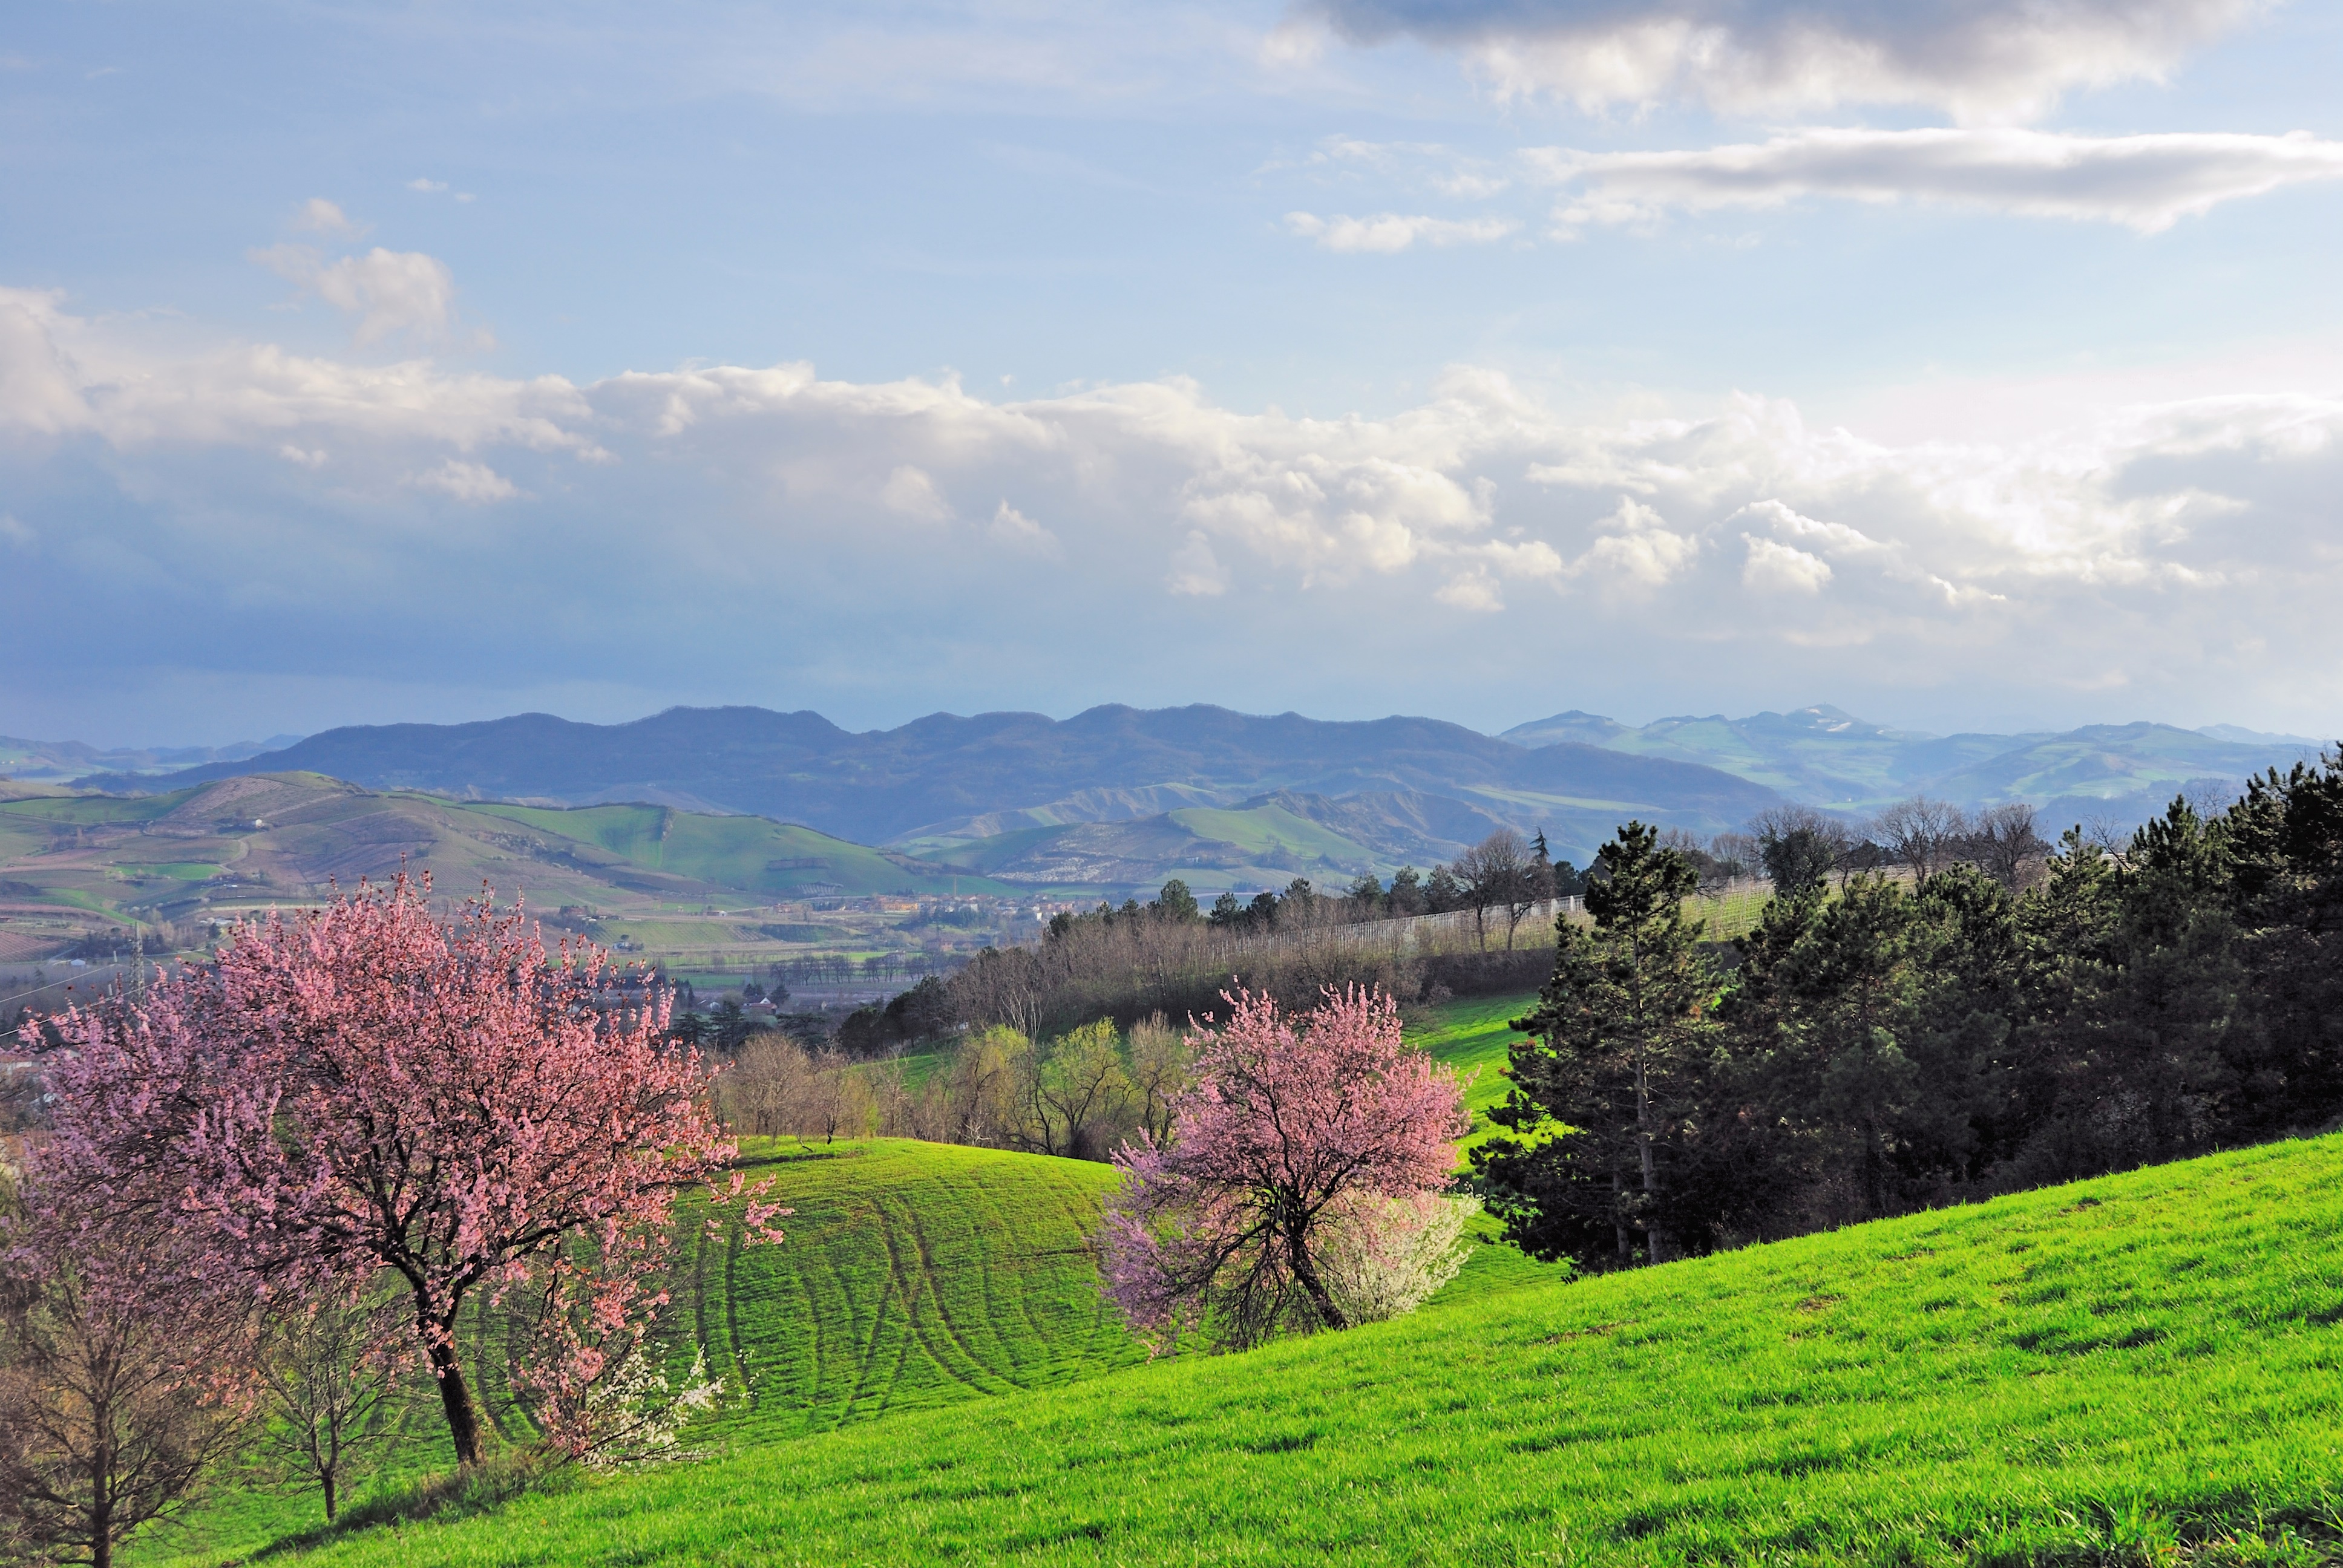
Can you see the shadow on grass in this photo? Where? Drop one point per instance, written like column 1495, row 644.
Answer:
column 438, row 1499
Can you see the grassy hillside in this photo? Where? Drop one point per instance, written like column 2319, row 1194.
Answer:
column 1831, row 758
column 2085, row 1374
column 750, row 853
column 914, row 1275
column 1473, row 1037
column 668, row 884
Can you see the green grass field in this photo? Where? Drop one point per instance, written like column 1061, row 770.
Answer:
column 1472, row 1036
column 914, row 1275
column 2099, row 1374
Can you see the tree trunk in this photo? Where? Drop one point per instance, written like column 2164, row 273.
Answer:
column 328, row 1479
column 1306, row 1273
column 456, row 1399
column 1656, row 1247
column 1618, row 1225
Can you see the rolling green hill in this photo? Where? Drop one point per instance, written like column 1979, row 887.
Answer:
column 914, row 1274
column 77, row 865
column 2105, row 1372
column 750, row 854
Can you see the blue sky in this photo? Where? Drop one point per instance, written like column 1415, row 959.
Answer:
column 1963, row 364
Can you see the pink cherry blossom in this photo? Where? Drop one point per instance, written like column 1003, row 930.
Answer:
column 1289, row 1125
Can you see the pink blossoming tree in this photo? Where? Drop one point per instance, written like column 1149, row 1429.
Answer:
column 1295, row 1129
column 368, row 1088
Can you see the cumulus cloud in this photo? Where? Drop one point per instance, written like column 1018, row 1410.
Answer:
column 2168, row 545
column 426, row 186
column 1196, row 571
column 1637, row 547
column 1389, row 232
column 912, row 491
column 474, row 484
column 318, row 216
column 1014, row 530
column 1474, row 590
column 1779, row 568
column 1987, row 60
column 2147, row 182
column 389, row 292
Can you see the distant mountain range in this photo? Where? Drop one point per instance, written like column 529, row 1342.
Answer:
column 1826, row 757
column 944, row 781
column 58, row 761
column 1120, row 798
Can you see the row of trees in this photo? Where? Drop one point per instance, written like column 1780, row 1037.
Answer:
column 1080, row 1095
column 1798, row 846
column 1501, row 878
column 1893, row 1043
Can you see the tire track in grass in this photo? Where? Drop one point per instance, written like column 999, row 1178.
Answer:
column 867, row 1364
column 917, row 1286
column 935, row 1287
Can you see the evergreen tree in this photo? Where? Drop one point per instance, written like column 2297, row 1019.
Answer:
column 1614, row 1063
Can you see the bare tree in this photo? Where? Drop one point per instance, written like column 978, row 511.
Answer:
column 1737, row 855
column 1490, row 874
column 1532, row 886
column 839, row 1100
column 1921, row 833
column 326, row 1390
column 116, row 1392
column 1162, row 1066
column 2002, row 840
column 1798, row 846
column 768, row 1086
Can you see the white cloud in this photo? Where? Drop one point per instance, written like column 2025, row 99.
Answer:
column 911, row 491
column 2164, row 541
column 428, row 187
column 303, row 457
column 1983, row 60
column 1014, row 530
column 318, row 216
column 40, row 383
column 1638, row 548
column 16, row 534
column 2148, row 182
column 389, row 292
column 1778, row 568
column 1474, row 590
column 1196, row 571
column 1389, row 232
column 474, row 484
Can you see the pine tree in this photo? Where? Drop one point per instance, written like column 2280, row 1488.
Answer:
column 1614, row 1060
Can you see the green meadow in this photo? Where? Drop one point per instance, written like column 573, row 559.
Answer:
column 2138, row 1369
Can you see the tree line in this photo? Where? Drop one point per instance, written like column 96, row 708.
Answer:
column 1879, row 1043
